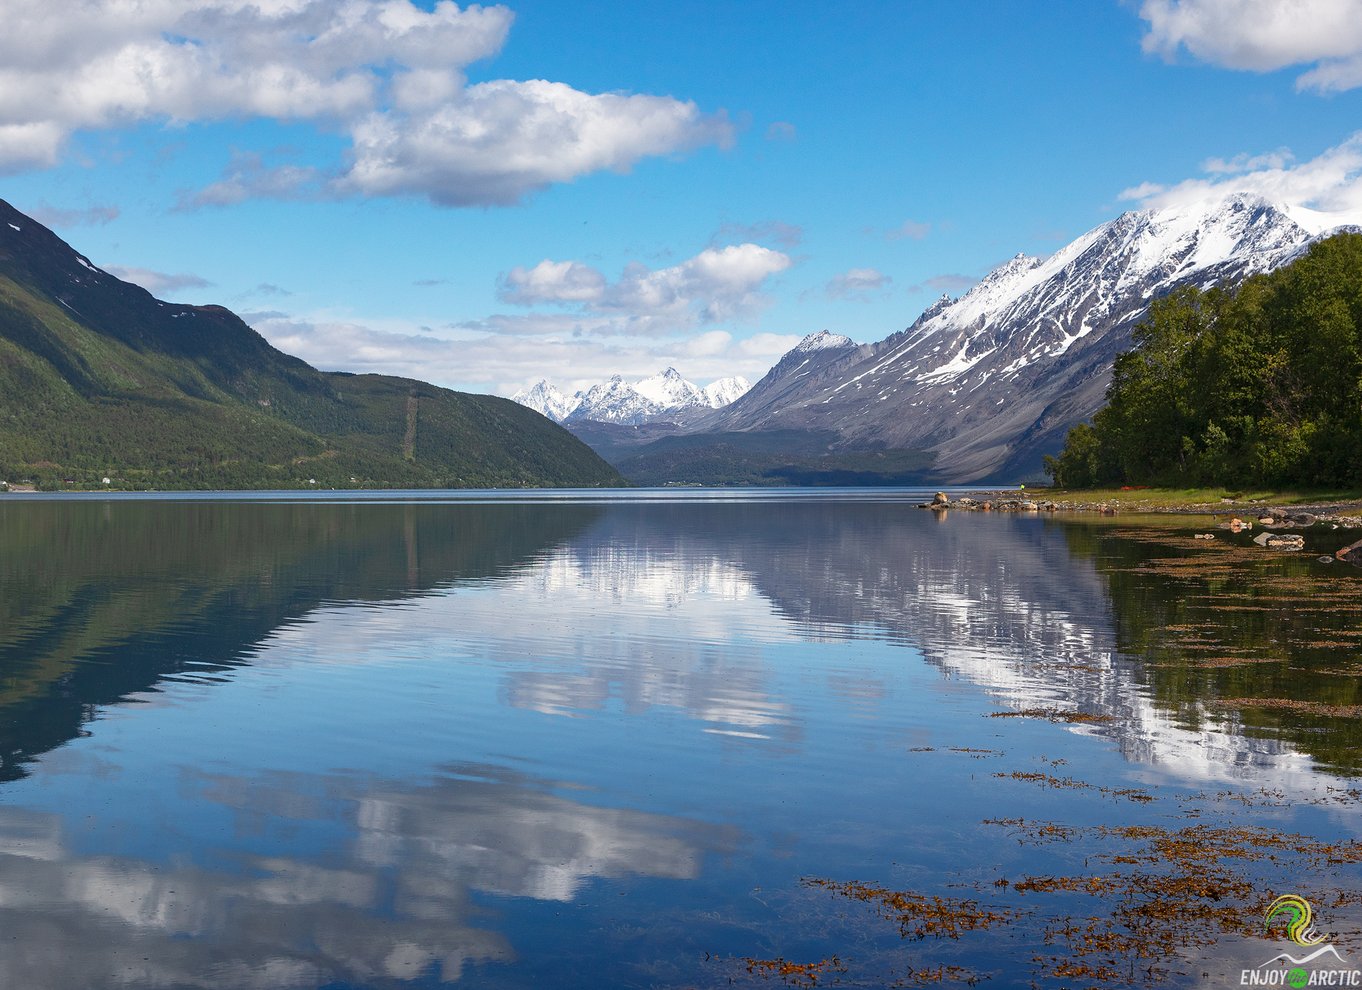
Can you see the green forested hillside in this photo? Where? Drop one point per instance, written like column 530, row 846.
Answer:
column 1261, row 385
column 100, row 379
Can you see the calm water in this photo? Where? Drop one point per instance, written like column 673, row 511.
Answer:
column 513, row 741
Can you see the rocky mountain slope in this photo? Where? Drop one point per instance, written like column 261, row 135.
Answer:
column 990, row 382
column 100, row 379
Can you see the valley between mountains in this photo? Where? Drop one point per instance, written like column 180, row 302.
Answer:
column 99, row 379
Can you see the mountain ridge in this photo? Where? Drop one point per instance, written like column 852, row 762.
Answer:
column 990, row 382
column 98, row 378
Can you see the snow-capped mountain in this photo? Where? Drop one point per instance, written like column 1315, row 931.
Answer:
column 668, row 390
column 663, row 396
column 615, row 401
column 821, row 341
column 725, row 391
column 548, row 400
column 992, row 380
column 782, row 386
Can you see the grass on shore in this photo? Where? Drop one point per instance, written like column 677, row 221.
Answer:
column 1213, row 499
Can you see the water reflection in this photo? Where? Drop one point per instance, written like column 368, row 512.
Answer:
column 397, row 902
column 1016, row 605
column 293, row 745
column 101, row 601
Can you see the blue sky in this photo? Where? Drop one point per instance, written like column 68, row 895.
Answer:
column 485, row 196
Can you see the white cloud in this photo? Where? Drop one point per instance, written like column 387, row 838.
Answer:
column 386, row 72
column 1330, row 183
column 552, row 281
column 716, row 284
column 486, row 357
column 859, row 284
column 711, row 344
column 501, row 140
column 591, row 327
column 249, row 177
column 158, row 283
column 23, row 146
column 1263, row 35
column 1244, row 162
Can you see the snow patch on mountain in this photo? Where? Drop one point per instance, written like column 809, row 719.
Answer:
column 822, row 341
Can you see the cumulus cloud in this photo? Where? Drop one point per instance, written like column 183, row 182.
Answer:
column 858, row 284
column 1330, row 184
column 504, row 139
column 716, row 284
column 781, row 130
column 158, row 283
column 388, row 73
column 24, row 146
column 552, row 281
column 1263, row 35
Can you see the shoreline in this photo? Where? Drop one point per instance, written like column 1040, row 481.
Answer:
column 1162, row 501
column 1273, row 521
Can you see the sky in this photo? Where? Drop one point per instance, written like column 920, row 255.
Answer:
column 483, row 196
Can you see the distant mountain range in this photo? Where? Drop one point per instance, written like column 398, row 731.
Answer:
column 665, row 397
column 99, row 379
column 978, row 388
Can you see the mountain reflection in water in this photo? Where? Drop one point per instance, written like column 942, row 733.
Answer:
column 351, row 745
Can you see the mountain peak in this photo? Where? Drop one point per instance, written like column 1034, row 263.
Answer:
column 669, row 391
column 1018, row 264
column 547, row 400
column 726, row 391
column 822, row 341
column 992, row 380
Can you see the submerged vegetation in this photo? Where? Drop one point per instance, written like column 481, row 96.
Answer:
column 1271, row 641
column 1143, row 902
column 1257, row 386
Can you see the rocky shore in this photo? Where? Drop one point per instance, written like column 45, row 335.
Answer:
column 1272, row 521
